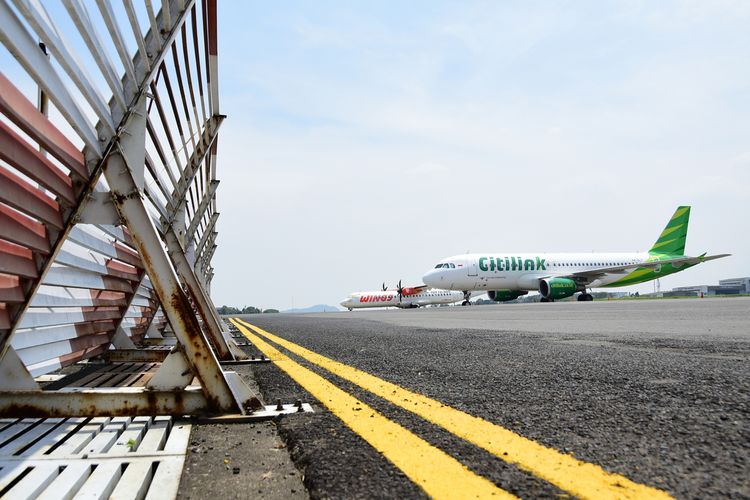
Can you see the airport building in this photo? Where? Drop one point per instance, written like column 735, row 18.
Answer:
column 733, row 286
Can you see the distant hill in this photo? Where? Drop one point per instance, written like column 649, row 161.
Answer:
column 319, row 308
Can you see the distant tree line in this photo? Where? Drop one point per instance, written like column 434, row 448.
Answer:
column 225, row 310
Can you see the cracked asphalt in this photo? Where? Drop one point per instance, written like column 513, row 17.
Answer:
column 657, row 391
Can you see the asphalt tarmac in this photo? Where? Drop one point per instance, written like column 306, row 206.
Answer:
column 657, row 392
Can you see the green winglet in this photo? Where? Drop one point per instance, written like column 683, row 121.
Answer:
column 672, row 240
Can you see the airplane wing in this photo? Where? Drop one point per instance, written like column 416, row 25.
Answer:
column 590, row 275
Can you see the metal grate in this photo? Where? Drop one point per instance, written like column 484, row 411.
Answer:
column 92, row 457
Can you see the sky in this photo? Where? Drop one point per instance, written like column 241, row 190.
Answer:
column 365, row 141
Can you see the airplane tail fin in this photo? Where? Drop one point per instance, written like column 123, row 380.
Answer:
column 672, row 239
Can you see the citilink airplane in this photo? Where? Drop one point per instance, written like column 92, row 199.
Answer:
column 507, row 276
column 402, row 297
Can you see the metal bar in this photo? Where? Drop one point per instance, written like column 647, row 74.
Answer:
column 174, row 301
column 28, row 199
column 114, row 30
column 64, row 56
column 196, row 53
column 206, row 232
column 23, row 231
column 212, row 56
column 28, row 160
column 189, row 76
column 152, row 22
column 121, row 401
column 175, row 113
column 167, row 133
column 178, row 73
column 202, row 207
column 17, row 261
column 26, row 51
column 130, row 10
column 210, row 133
column 200, row 299
column 22, row 112
column 90, row 35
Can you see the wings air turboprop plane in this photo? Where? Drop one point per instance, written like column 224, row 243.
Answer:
column 402, row 297
column 506, row 276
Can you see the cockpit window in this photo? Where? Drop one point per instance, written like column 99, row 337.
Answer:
column 438, row 266
column 453, row 266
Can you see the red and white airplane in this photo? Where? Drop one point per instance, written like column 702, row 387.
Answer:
column 402, row 297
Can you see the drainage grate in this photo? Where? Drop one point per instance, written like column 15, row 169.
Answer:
column 92, row 457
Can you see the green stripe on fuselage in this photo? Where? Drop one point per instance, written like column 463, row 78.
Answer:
column 643, row 274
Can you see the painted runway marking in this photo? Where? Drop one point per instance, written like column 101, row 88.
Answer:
column 579, row 478
column 436, row 472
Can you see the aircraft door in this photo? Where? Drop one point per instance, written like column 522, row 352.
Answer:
column 471, row 267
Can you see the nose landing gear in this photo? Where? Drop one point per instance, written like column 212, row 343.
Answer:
column 467, row 296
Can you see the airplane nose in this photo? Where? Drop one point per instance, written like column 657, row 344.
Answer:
column 430, row 279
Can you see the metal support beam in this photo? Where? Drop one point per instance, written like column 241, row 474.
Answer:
column 129, row 203
column 109, row 402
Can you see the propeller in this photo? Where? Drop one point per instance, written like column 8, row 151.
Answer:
column 400, row 291
column 385, row 288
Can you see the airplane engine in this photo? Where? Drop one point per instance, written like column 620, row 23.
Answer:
column 505, row 295
column 557, row 288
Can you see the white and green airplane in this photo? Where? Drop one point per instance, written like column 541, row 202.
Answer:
column 507, row 276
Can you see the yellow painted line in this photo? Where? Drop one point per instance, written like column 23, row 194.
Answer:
column 577, row 477
column 436, row 472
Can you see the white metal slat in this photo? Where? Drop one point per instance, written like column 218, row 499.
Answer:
column 51, row 439
column 33, row 483
column 80, row 439
column 167, row 476
column 80, row 17
column 156, row 435
column 25, row 49
column 178, row 438
column 67, row 484
column 117, row 39
column 25, row 439
column 16, row 429
column 9, row 473
column 132, row 434
column 101, row 482
column 136, row 481
column 108, row 436
column 38, row 18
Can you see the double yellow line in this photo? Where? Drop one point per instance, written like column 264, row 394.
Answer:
column 429, row 467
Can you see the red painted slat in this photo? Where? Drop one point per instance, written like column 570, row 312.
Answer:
column 80, row 343
column 125, row 254
column 74, row 357
column 24, row 114
column 24, row 158
column 122, row 270
column 94, row 327
column 10, row 289
column 26, row 198
column 17, row 261
column 19, row 229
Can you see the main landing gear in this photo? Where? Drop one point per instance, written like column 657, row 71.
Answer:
column 546, row 299
column 585, row 297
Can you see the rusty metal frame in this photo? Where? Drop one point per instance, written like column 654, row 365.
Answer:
column 58, row 246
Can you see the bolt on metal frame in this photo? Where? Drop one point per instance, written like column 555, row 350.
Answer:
column 107, row 230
